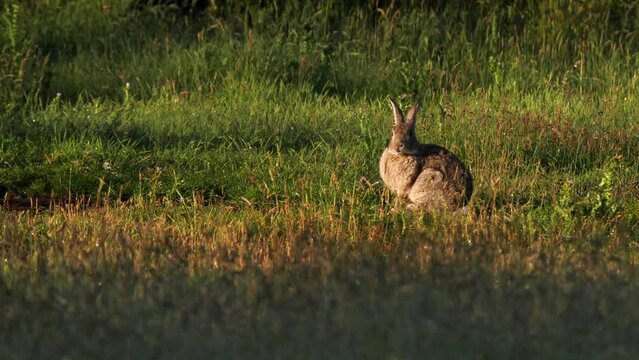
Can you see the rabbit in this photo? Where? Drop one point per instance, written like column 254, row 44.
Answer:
column 429, row 176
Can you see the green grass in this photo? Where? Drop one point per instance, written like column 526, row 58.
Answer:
column 198, row 187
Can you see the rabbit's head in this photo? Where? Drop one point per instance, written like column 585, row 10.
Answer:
column 404, row 140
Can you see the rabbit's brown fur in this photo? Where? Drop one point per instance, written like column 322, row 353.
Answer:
column 429, row 176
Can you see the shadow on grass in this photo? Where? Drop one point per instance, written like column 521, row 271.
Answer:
column 362, row 310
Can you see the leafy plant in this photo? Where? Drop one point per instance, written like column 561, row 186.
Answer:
column 22, row 70
column 596, row 201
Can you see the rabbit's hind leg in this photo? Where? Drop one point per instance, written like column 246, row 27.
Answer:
column 427, row 191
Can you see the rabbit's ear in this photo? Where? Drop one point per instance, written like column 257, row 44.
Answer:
column 397, row 113
column 411, row 116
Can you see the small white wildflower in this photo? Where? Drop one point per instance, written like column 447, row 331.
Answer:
column 106, row 165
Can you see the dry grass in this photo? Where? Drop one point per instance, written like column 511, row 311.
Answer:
column 146, row 279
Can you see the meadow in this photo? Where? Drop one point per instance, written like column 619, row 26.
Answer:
column 205, row 184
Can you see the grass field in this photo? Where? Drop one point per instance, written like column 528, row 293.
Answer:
column 206, row 185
